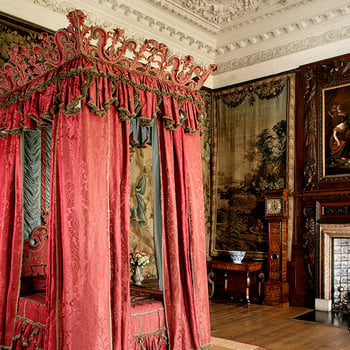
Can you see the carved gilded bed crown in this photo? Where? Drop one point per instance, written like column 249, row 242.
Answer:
column 150, row 57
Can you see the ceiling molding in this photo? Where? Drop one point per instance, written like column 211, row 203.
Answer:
column 308, row 23
column 215, row 48
column 120, row 10
column 282, row 7
column 233, row 34
column 278, row 65
column 217, row 16
column 283, row 50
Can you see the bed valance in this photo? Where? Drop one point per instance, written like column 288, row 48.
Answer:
column 102, row 68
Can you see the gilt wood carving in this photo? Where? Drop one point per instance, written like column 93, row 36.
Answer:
column 309, row 245
column 316, row 78
column 325, row 196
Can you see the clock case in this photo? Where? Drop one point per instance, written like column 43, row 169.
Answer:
column 276, row 288
column 280, row 195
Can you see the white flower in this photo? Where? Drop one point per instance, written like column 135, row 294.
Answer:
column 139, row 258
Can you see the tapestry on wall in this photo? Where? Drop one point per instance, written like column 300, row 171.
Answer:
column 13, row 33
column 206, row 147
column 250, row 156
column 141, row 206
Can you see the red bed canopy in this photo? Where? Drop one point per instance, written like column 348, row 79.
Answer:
column 87, row 84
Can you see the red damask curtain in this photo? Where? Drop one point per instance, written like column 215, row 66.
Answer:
column 88, row 300
column 10, row 234
column 185, row 286
column 89, row 233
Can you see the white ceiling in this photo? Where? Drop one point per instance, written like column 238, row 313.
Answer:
column 247, row 39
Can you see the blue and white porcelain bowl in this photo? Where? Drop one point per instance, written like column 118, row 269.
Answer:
column 237, row 256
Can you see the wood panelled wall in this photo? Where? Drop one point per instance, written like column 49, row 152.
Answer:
column 319, row 196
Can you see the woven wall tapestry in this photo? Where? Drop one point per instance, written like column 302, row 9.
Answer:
column 250, row 156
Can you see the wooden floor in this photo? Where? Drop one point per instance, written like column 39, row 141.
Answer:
column 274, row 328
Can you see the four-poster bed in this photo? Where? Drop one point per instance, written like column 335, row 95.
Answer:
column 85, row 85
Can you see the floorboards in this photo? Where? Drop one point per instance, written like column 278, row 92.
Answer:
column 274, row 328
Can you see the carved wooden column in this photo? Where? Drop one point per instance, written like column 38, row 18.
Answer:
column 276, row 213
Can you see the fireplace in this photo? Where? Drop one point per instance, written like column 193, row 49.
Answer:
column 334, row 264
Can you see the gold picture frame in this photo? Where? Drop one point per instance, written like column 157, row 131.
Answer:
column 334, row 132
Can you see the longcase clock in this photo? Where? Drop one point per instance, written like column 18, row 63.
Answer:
column 276, row 288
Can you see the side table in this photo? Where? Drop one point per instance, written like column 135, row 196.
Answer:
column 228, row 266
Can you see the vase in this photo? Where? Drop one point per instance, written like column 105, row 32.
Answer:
column 137, row 276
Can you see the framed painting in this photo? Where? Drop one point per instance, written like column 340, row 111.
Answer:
column 253, row 150
column 334, row 140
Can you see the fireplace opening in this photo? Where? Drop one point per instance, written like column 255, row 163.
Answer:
column 333, row 264
column 341, row 273
column 333, row 307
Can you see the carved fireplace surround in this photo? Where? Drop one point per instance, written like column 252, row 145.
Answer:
column 326, row 233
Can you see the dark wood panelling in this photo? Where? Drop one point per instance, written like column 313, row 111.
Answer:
column 318, row 198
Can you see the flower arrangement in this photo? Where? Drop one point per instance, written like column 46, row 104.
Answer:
column 139, row 258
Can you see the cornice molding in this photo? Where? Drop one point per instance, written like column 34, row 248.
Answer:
column 195, row 42
column 217, row 16
column 283, row 50
column 284, row 7
column 120, row 9
column 283, row 31
column 217, row 12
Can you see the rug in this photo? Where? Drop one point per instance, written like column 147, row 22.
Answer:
column 225, row 344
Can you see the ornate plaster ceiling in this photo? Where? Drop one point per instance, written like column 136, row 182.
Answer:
column 247, row 39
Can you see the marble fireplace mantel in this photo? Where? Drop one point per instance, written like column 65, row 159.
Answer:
column 327, row 233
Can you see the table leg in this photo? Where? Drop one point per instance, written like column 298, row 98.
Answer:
column 212, row 283
column 261, row 277
column 247, row 290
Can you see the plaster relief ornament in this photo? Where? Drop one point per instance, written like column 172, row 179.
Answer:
column 222, row 11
